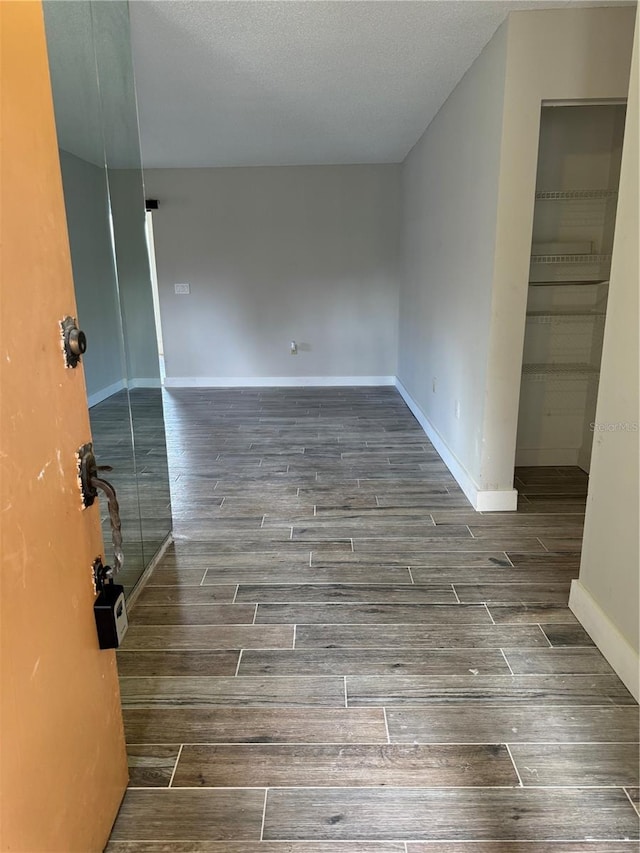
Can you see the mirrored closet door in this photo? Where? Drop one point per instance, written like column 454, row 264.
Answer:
column 96, row 118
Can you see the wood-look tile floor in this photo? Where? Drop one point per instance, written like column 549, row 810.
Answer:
column 338, row 655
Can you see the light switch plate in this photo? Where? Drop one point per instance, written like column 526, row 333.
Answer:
column 182, row 288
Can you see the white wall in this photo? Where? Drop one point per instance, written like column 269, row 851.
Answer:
column 87, row 208
column 450, row 190
column 273, row 255
column 468, row 217
column 606, row 596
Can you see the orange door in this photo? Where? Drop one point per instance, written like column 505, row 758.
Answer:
column 62, row 761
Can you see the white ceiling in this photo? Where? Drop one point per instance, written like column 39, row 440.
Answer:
column 285, row 82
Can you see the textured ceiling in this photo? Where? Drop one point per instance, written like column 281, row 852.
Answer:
column 262, row 82
column 283, row 83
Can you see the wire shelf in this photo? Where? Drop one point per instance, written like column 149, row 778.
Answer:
column 570, row 259
column 564, row 283
column 565, row 316
column 568, row 370
column 575, row 195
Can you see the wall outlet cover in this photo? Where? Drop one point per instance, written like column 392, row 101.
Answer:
column 182, row 288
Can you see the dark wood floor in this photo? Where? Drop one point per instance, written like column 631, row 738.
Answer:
column 339, row 656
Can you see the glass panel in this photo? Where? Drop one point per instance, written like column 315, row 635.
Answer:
column 126, row 189
column 79, row 124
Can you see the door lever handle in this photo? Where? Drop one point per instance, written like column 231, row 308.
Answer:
column 114, row 519
column 90, row 483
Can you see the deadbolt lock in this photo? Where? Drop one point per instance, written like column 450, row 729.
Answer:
column 75, row 341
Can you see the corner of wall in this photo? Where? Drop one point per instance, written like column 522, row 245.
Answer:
column 482, row 500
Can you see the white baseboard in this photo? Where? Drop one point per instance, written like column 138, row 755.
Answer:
column 482, row 500
column 150, row 382
column 275, row 381
column 624, row 659
column 105, row 393
column 496, row 500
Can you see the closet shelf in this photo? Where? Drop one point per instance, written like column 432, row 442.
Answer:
column 565, row 313
column 570, row 259
column 574, row 195
column 564, row 283
column 566, row 370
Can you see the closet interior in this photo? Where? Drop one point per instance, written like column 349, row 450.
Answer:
column 574, row 219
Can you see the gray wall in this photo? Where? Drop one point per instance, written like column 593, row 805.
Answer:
column 100, row 297
column 450, row 183
column 85, row 198
column 273, row 255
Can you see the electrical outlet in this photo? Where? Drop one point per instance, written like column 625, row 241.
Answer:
column 457, row 409
column 182, row 288
column 433, row 384
column 293, row 348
